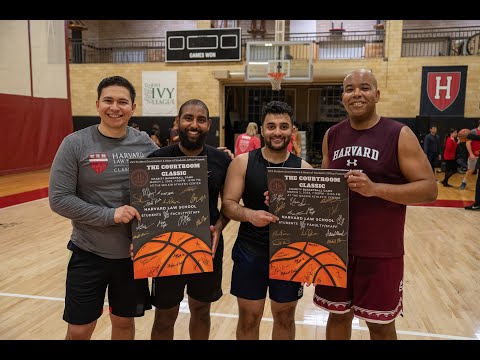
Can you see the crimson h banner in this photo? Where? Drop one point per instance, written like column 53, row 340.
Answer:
column 443, row 90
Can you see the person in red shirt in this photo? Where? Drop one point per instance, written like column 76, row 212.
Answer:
column 473, row 147
column 247, row 141
column 295, row 144
column 449, row 156
column 476, row 205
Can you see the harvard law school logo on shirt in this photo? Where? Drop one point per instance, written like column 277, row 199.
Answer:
column 98, row 162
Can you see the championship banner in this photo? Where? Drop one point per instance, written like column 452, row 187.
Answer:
column 443, row 90
column 159, row 93
column 310, row 241
column 173, row 236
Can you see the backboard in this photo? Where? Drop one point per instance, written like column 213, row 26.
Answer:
column 293, row 58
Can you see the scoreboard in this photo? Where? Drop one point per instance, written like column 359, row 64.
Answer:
column 203, row 45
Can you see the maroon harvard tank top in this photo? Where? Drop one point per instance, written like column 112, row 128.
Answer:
column 376, row 226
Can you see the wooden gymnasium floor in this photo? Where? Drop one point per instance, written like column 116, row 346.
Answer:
column 441, row 285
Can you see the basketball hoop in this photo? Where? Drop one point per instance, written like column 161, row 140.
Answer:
column 276, row 79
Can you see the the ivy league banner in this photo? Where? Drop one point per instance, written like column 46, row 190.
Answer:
column 443, row 90
column 159, row 93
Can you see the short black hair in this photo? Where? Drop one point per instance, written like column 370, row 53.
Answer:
column 116, row 81
column 277, row 107
column 195, row 102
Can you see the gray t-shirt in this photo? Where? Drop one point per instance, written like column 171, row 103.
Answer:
column 89, row 179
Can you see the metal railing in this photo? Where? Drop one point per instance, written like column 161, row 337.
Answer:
column 338, row 44
column 328, row 45
column 114, row 51
column 451, row 41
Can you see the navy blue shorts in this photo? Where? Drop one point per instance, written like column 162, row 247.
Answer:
column 250, row 279
column 89, row 275
column 168, row 291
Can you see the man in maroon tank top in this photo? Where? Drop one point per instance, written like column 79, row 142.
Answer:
column 387, row 171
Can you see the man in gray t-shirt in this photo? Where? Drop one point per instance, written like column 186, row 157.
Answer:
column 89, row 184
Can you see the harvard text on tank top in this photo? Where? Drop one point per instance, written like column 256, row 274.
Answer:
column 356, row 151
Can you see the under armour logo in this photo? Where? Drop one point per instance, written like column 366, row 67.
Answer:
column 349, row 162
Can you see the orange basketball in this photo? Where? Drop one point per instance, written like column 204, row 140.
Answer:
column 462, row 134
column 310, row 263
column 172, row 253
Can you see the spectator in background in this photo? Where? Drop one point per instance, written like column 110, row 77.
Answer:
column 159, row 139
column 135, row 126
column 461, row 154
column 247, row 141
column 295, row 144
column 476, row 205
column 473, row 147
column 154, row 132
column 449, row 156
column 173, row 133
column 155, row 128
column 432, row 147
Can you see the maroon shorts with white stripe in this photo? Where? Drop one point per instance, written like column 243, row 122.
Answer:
column 374, row 290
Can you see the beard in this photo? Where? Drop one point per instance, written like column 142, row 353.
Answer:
column 268, row 143
column 196, row 144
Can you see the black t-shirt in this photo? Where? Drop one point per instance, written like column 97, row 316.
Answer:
column 256, row 239
column 217, row 162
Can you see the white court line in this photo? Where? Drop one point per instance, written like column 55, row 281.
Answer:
column 184, row 309
column 440, row 207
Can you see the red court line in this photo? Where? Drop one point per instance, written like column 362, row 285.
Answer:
column 21, row 198
column 448, row 203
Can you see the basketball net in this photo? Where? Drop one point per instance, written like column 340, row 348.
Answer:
column 276, row 80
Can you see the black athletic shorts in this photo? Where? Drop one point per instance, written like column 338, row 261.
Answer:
column 89, row 276
column 250, row 279
column 168, row 291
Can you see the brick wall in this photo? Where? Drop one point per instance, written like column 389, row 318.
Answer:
column 117, row 29
column 193, row 81
column 399, row 79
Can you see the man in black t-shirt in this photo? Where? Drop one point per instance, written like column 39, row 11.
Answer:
column 204, row 288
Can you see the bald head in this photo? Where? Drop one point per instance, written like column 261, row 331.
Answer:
column 364, row 74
